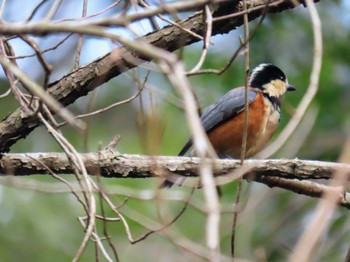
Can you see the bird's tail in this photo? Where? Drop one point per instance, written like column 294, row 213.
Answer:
column 168, row 184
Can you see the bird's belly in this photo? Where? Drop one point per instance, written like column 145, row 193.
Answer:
column 227, row 138
column 263, row 136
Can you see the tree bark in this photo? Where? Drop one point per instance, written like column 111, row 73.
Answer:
column 109, row 163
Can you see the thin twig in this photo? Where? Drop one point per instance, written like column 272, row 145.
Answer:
column 237, row 52
column 45, row 65
column 168, row 224
column 92, row 15
column 17, row 93
column 52, row 12
column 71, row 189
column 97, row 240
column 37, row 90
column 105, row 233
column 176, row 75
column 102, row 110
column 297, row 140
column 310, row 92
column 35, row 10
column 80, row 40
column 172, row 7
column 43, row 51
column 206, row 43
column 6, row 93
column 178, row 239
column 245, row 128
column 78, row 163
column 324, row 210
column 347, row 257
column 2, row 7
column 262, row 5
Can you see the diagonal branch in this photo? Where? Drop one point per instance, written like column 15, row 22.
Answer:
column 85, row 79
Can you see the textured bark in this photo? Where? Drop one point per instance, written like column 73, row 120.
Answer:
column 109, row 163
column 85, row 79
column 307, row 188
column 286, row 174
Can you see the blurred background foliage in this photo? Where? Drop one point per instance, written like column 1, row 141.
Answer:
column 41, row 226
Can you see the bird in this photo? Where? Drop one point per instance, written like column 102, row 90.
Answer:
column 223, row 121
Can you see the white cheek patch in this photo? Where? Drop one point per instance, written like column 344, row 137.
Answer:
column 275, row 88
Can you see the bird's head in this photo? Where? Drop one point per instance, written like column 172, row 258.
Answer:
column 271, row 80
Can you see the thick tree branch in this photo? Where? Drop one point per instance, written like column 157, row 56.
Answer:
column 109, row 163
column 286, row 174
column 85, row 79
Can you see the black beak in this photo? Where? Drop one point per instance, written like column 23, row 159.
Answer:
column 291, row 88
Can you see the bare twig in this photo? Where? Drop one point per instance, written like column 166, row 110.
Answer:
column 178, row 239
column 43, row 51
column 310, row 93
column 206, row 44
column 2, row 7
column 80, row 40
column 167, row 224
column 174, row 24
column 45, row 65
column 102, row 110
column 322, row 215
column 98, row 241
column 321, row 218
column 6, row 93
column 35, row 10
column 37, row 90
column 254, row 6
column 116, row 3
column 85, row 182
column 176, row 75
column 326, row 206
column 105, row 219
column 169, row 8
column 297, row 140
column 52, row 12
column 12, row 80
column 245, row 128
column 237, row 52
column 71, row 189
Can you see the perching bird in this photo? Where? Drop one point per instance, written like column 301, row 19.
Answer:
column 224, row 120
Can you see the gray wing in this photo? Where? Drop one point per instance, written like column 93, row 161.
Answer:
column 228, row 106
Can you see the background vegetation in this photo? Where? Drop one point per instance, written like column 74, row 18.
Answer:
column 39, row 224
